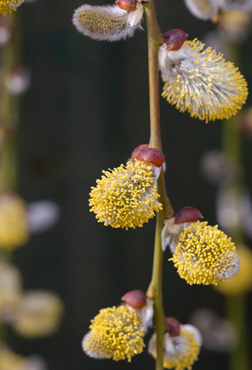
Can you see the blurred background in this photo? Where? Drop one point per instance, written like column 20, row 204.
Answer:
column 85, row 111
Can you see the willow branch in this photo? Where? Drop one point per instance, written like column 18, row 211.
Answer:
column 155, row 288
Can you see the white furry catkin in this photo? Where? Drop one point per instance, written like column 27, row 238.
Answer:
column 107, row 22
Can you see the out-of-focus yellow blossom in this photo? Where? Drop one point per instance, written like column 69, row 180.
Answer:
column 13, row 225
column 201, row 81
column 205, row 255
column 125, row 196
column 179, row 352
column 236, row 24
column 9, row 5
column 11, row 361
column 116, row 333
column 38, row 314
column 10, row 288
column 242, row 282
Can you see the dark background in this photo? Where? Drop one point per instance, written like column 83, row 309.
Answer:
column 86, row 110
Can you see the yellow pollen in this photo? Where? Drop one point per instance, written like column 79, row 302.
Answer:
column 108, row 23
column 221, row 100
column 9, row 5
column 125, row 196
column 205, row 255
column 116, row 333
column 184, row 350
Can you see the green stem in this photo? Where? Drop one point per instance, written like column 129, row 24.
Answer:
column 155, row 288
column 154, row 37
column 8, row 179
column 9, row 105
column 231, row 140
column 155, row 291
column 236, row 314
column 235, row 305
column 9, row 111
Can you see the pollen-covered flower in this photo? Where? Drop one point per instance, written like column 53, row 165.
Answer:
column 174, row 225
column 13, row 225
column 107, row 22
column 180, row 352
column 203, row 9
column 201, row 81
column 125, row 196
column 205, row 255
column 116, row 333
column 9, row 5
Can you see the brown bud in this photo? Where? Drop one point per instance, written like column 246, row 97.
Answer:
column 245, row 122
column 154, row 156
column 138, row 150
column 128, row 5
column 135, row 299
column 172, row 326
column 187, row 214
column 11, row 130
column 174, row 39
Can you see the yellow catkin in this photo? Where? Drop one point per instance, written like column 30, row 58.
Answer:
column 205, row 255
column 125, row 196
column 13, row 224
column 38, row 314
column 107, row 22
column 179, row 352
column 11, row 361
column 116, row 333
column 10, row 287
column 9, row 5
column 202, row 82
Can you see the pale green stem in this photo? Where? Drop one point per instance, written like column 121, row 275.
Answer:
column 236, row 314
column 155, row 288
column 9, row 107
column 154, row 37
column 235, row 305
column 9, row 110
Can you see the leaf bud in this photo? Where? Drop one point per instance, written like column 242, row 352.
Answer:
column 154, row 156
column 138, row 150
column 135, row 299
column 172, row 326
column 187, row 214
column 174, row 39
column 128, row 5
